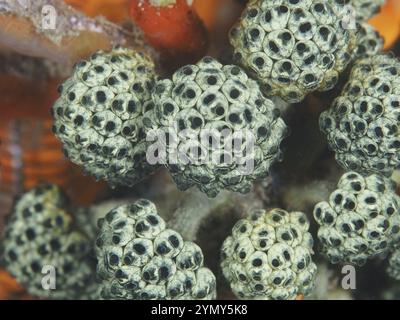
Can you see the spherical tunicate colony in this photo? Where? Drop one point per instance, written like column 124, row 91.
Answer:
column 362, row 126
column 268, row 256
column 98, row 115
column 41, row 240
column 222, row 133
column 140, row 258
column 360, row 220
column 293, row 47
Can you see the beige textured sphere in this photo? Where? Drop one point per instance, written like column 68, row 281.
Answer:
column 268, row 256
column 293, row 47
column 98, row 117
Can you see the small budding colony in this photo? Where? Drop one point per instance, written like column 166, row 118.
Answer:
column 114, row 100
column 268, row 256
column 140, row 258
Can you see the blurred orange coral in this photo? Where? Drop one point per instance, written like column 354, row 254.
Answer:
column 388, row 22
column 26, row 124
column 113, row 10
column 213, row 12
column 9, row 288
column 30, row 154
column 175, row 30
column 208, row 10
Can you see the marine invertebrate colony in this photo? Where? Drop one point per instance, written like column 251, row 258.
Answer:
column 216, row 126
column 98, row 116
column 232, row 131
column 268, row 256
column 360, row 220
column 366, row 9
column 293, row 47
column 140, row 258
column 40, row 234
column 362, row 126
column 368, row 42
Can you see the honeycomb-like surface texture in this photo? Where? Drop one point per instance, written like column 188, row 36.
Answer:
column 368, row 42
column 360, row 220
column 40, row 233
column 293, row 47
column 268, row 256
column 98, row 117
column 140, row 258
column 362, row 125
column 196, row 109
column 366, row 9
